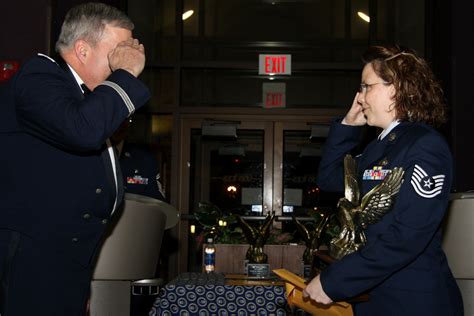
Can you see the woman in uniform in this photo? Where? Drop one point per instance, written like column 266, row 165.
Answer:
column 402, row 266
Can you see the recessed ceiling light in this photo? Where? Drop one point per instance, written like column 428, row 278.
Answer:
column 363, row 16
column 187, row 14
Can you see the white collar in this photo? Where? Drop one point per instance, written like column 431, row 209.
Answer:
column 76, row 76
column 74, row 73
column 388, row 129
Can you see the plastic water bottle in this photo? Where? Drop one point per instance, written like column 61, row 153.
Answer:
column 209, row 256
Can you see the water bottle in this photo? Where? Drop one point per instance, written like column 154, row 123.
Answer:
column 209, row 256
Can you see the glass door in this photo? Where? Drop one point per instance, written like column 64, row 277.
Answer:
column 227, row 164
column 249, row 168
column 298, row 149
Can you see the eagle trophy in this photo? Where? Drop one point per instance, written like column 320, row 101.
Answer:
column 311, row 237
column 354, row 215
column 256, row 237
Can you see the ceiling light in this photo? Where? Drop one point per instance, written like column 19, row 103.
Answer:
column 363, row 16
column 187, row 14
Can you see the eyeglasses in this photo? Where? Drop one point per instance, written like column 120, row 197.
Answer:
column 365, row 86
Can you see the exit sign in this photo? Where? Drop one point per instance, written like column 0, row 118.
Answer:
column 274, row 95
column 272, row 64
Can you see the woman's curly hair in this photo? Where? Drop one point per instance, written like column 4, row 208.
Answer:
column 418, row 95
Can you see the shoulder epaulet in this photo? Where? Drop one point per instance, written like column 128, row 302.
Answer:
column 47, row 57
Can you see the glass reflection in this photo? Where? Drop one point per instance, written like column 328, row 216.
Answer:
column 228, row 172
column 301, row 158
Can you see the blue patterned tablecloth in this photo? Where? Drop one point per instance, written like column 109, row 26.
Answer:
column 187, row 300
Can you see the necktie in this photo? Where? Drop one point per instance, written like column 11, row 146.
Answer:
column 85, row 90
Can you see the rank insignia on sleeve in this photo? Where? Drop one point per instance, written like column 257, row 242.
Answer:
column 425, row 185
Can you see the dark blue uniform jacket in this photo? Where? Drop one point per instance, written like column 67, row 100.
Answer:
column 140, row 171
column 402, row 266
column 56, row 186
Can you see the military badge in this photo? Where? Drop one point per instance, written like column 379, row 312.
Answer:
column 137, row 180
column 425, row 185
column 376, row 173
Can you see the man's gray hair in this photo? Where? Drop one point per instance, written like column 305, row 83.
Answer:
column 87, row 21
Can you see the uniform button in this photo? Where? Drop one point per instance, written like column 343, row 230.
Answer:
column 392, row 137
column 98, row 190
column 86, row 216
column 105, row 221
column 75, row 239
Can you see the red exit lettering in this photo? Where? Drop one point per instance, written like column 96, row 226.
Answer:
column 275, row 65
column 274, row 99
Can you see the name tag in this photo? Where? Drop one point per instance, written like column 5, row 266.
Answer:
column 376, row 173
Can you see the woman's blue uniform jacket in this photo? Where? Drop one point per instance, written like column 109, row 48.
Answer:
column 402, row 266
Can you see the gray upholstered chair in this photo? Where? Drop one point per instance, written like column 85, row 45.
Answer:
column 128, row 258
column 458, row 244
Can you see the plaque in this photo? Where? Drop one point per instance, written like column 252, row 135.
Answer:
column 258, row 270
column 294, row 286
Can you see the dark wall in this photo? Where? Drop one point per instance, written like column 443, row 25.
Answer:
column 450, row 52
column 29, row 27
column 462, row 88
column 24, row 28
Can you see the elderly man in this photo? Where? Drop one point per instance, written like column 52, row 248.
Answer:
column 60, row 185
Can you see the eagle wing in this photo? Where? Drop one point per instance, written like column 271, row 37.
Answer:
column 249, row 231
column 378, row 201
column 351, row 186
column 265, row 227
column 302, row 230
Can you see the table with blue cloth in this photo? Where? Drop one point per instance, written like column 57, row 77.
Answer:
column 214, row 294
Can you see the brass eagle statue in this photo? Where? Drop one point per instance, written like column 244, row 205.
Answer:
column 354, row 215
column 257, row 237
column 311, row 237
